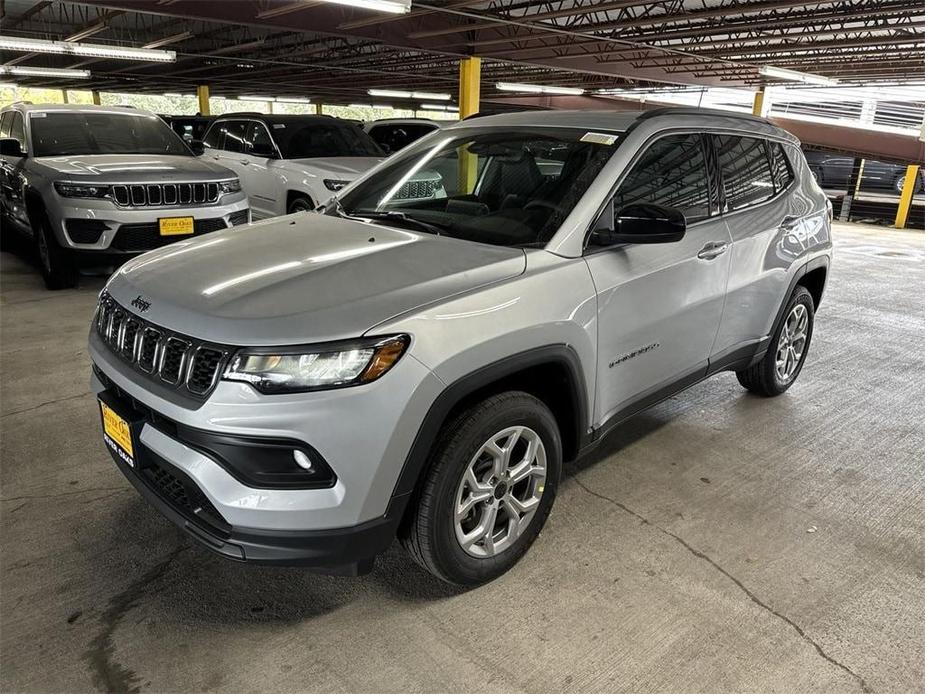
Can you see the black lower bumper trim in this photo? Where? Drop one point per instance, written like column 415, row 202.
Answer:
column 341, row 551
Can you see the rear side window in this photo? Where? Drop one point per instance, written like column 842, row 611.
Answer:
column 745, row 169
column 672, row 173
column 780, row 166
column 258, row 138
column 5, row 124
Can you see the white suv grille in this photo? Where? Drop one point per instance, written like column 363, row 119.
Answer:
column 158, row 194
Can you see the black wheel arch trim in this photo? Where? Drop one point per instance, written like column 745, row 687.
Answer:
column 416, row 461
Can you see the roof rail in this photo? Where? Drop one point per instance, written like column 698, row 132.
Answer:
column 697, row 111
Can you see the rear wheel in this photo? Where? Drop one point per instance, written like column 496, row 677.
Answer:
column 59, row 269
column 783, row 361
column 491, row 485
column 301, row 204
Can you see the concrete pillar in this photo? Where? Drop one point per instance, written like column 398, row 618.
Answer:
column 905, row 198
column 202, row 93
column 470, row 73
column 854, row 185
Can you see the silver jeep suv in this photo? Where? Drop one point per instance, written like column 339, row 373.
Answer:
column 100, row 183
column 305, row 389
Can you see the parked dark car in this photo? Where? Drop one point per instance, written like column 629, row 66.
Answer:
column 834, row 171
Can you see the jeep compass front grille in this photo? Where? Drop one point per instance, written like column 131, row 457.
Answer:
column 156, row 194
column 174, row 360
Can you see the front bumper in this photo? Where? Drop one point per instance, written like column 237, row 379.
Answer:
column 174, row 492
column 101, row 226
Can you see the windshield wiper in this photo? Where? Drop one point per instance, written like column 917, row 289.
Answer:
column 401, row 217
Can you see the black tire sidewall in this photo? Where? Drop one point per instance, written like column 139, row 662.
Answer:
column 800, row 296
column 454, row 563
column 62, row 273
column 300, row 204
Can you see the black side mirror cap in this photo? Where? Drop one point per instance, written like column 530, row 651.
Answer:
column 641, row 223
column 197, row 146
column 11, row 148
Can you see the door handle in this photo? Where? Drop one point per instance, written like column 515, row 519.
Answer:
column 244, row 162
column 712, row 250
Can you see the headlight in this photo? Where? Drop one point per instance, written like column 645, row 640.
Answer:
column 81, row 190
column 328, row 366
column 334, row 184
column 232, row 186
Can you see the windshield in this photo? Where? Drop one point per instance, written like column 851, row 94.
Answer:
column 327, row 139
column 485, row 184
column 95, row 132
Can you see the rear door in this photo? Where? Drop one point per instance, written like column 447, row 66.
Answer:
column 765, row 221
column 12, row 125
column 659, row 305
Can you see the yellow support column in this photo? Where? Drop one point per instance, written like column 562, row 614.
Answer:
column 758, row 103
column 96, row 97
column 202, row 93
column 319, row 110
column 905, row 198
column 470, row 73
column 64, row 96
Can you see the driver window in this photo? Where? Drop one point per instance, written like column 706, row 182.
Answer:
column 673, row 173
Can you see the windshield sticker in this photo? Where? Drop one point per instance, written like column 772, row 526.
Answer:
column 599, row 138
column 38, row 114
column 279, row 126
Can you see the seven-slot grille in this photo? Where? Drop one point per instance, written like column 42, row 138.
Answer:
column 155, row 194
column 173, row 359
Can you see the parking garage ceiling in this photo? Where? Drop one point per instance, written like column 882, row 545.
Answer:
column 334, row 53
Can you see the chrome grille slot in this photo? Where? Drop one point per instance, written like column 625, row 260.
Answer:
column 160, row 194
column 173, row 359
column 147, row 351
column 127, row 340
column 188, row 365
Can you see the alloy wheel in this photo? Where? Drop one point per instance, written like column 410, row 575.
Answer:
column 792, row 343
column 500, row 491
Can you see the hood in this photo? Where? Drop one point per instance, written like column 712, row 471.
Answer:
column 304, row 278
column 350, row 167
column 132, row 168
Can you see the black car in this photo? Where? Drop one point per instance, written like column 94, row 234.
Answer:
column 834, row 171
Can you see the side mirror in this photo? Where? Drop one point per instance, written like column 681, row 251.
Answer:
column 262, row 149
column 197, row 147
column 639, row 223
column 11, row 148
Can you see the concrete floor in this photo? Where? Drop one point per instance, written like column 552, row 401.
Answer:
column 718, row 543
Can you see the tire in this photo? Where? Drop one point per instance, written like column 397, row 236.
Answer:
column 900, row 182
column 59, row 270
column 431, row 532
column 768, row 377
column 300, row 204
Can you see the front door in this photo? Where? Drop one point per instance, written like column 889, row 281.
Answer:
column 264, row 188
column 660, row 305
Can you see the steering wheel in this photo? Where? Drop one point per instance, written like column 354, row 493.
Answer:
column 544, row 204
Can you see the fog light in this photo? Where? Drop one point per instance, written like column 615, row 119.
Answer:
column 302, row 460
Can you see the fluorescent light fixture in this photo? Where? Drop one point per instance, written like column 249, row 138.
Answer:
column 255, row 98
column 400, row 94
column 177, row 95
column 90, row 50
column 8, row 85
column 793, row 75
column 369, row 106
column 293, row 100
column 43, row 72
column 393, row 6
column 537, row 89
column 437, row 107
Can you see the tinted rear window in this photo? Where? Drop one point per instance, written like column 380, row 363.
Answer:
column 91, row 132
column 746, row 170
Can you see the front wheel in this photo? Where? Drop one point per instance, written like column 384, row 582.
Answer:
column 59, row 269
column 301, row 204
column 783, row 361
column 491, row 485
